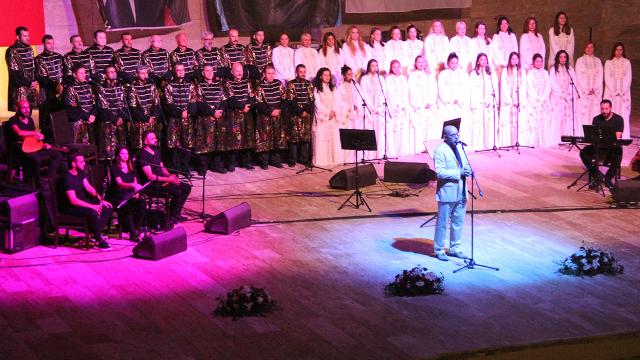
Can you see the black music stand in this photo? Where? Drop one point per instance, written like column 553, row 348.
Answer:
column 599, row 137
column 352, row 139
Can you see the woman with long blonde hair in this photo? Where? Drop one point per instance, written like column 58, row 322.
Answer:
column 355, row 52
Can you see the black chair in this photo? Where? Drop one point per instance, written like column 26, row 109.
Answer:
column 66, row 221
column 63, row 136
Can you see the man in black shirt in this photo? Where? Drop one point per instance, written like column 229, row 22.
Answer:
column 82, row 200
column 163, row 181
column 610, row 153
column 22, row 126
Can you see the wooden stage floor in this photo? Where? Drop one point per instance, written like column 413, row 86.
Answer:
column 327, row 269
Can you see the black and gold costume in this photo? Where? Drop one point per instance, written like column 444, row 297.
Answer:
column 21, row 65
column 300, row 96
column 158, row 63
column 80, row 104
column 49, row 76
column 258, row 56
column 186, row 57
column 127, row 61
column 144, row 102
column 211, row 57
column 211, row 98
column 270, row 130
column 238, row 131
column 180, row 95
column 102, row 58
column 111, row 106
column 73, row 58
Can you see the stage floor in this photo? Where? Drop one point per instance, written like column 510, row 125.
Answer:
column 327, row 269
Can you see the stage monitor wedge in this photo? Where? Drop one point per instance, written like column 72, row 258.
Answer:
column 346, row 179
column 229, row 221
column 160, row 246
column 408, row 172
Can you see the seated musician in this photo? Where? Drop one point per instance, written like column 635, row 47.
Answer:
column 124, row 183
column 81, row 199
column 163, row 181
column 611, row 154
column 23, row 126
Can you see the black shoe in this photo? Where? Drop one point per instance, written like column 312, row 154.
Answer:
column 264, row 167
column 103, row 245
column 249, row 167
column 291, row 164
column 277, row 165
column 219, row 170
column 202, row 172
column 231, row 168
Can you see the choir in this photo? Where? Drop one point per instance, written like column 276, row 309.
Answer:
column 241, row 105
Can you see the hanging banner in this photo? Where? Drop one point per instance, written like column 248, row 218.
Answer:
column 143, row 14
column 401, row 6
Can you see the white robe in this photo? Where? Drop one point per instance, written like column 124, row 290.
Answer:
column 423, row 118
column 398, row 122
column 396, row 50
column 372, row 93
column 283, row 63
column 324, row 132
column 309, row 58
column 482, row 108
column 512, row 115
column 502, row 45
column 413, row 49
column 561, row 42
column 530, row 44
column 617, row 88
column 479, row 45
column 561, row 104
column 333, row 62
column 377, row 52
column 589, row 76
column 436, row 50
column 358, row 61
column 538, row 90
column 463, row 47
column 453, row 96
column 348, row 112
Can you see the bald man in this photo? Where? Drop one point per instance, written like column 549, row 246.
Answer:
column 233, row 52
column 184, row 55
column 452, row 170
column 239, row 132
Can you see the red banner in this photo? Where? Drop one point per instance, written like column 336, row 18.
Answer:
column 29, row 13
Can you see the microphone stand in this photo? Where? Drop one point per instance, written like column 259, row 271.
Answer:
column 364, row 115
column 494, row 148
column 471, row 263
column 517, row 145
column 386, row 111
column 574, row 141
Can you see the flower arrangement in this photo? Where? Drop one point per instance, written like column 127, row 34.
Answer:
column 415, row 282
column 590, row 261
column 245, row 301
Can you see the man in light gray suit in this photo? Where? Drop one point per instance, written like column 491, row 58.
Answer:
column 452, row 169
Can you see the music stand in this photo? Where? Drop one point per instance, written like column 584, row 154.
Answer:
column 352, row 139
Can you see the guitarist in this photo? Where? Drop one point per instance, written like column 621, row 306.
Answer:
column 23, row 126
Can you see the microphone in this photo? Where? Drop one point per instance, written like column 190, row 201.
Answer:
column 461, row 143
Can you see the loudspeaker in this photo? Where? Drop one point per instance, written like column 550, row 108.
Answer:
column 627, row 191
column 408, row 172
column 160, row 246
column 229, row 221
column 19, row 219
column 346, row 179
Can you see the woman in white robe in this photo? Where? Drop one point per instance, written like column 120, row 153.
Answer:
column 413, row 46
column 453, row 93
column 423, row 117
column 330, row 56
column 348, row 110
column 462, row 45
column 504, row 42
column 561, row 37
column 481, row 43
column 538, row 90
column 436, row 47
column 512, row 92
column 563, row 98
column 483, row 107
column 395, row 49
column 617, row 85
column 372, row 86
column 324, row 132
column 531, row 43
column 398, row 101
column 355, row 52
column 307, row 56
column 282, row 57
column 589, row 83
column 377, row 48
